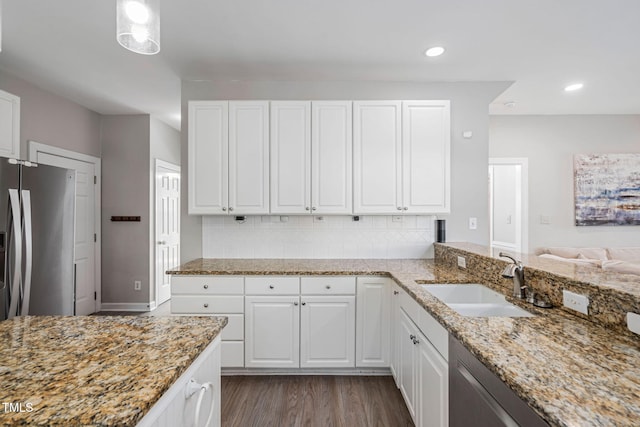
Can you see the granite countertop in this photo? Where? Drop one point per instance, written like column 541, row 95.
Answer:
column 94, row 370
column 569, row 370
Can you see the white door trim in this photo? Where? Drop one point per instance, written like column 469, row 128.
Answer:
column 523, row 162
column 154, row 253
column 37, row 147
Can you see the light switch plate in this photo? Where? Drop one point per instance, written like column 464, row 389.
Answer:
column 633, row 322
column 577, row 302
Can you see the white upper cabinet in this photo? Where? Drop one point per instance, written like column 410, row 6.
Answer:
column 9, row 125
column 425, row 156
column 377, row 150
column 331, row 157
column 228, row 157
column 208, row 144
column 248, row 157
column 311, row 145
column 290, row 157
column 401, row 157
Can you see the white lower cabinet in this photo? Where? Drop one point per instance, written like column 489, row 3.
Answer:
column 394, row 338
column 422, row 369
column 372, row 323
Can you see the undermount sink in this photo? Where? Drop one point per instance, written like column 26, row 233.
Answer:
column 475, row 300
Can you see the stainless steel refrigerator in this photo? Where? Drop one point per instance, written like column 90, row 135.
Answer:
column 37, row 207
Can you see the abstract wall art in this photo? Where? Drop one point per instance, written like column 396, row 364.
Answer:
column 607, row 189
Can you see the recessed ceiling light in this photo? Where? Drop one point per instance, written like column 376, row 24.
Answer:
column 434, row 51
column 573, row 87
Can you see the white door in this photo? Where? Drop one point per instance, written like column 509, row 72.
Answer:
column 377, row 150
column 508, row 202
column 372, row 347
column 433, row 386
column 208, row 140
column 167, row 229
column 248, row 157
column 425, row 156
column 408, row 363
column 272, row 331
column 331, row 157
column 395, row 333
column 290, row 157
column 327, row 331
column 86, row 258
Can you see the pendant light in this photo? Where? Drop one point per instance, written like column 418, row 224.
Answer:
column 138, row 25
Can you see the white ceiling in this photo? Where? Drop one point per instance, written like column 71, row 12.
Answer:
column 69, row 47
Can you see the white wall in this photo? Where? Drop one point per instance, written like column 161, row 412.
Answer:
column 53, row 120
column 469, row 111
column 306, row 237
column 550, row 142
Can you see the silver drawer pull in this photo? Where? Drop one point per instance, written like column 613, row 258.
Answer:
column 206, row 286
column 396, row 292
column 328, row 286
column 270, row 286
column 295, row 303
column 206, row 305
column 304, row 303
column 412, row 337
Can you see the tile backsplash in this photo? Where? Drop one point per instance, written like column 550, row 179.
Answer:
column 318, row 237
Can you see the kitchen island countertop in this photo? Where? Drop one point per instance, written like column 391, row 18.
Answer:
column 94, row 370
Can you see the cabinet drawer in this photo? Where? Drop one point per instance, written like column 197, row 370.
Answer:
column 232, row 354
column 272, row 285
column 435, row 332
column 235, row 327
column 329, row 285
column 205, row 285
column 198, row 304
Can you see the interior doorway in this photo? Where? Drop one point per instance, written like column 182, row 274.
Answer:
column 508, row 203
column 167, row 226
column 87, row 220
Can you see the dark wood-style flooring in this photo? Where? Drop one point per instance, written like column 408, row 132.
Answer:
column 323, row 401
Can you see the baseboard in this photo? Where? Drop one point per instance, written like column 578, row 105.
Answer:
column 316, row 371
column 152, row 306
column 124, row 306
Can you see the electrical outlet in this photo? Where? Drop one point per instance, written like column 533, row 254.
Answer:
column 577, row 302
column 137, row 285
column 462, row 262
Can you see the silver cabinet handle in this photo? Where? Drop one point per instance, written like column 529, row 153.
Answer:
column 306, row 208
column 396, row 292
column 416, row 341
column 328, row 286
column 412, row 337
column 270, row 286
column 206, row 286
column 295, row 303
column 313, row 208
column 206, row 305
column 399, row 208
column 224, row 209
column 162, row 242
column 304, row 303
column 405, row 208
column 230, row 209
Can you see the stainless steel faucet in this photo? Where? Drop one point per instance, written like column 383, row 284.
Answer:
column 515, row 271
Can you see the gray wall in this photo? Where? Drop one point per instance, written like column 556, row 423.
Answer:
column 50, row 119
column 125, row 191
column 469, row 111
column 549, row 142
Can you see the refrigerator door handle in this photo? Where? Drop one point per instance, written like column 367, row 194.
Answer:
column 14, row 201
column 28, row 250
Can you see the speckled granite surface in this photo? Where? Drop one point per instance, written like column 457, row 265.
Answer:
column 573, row 372
column 94, row 370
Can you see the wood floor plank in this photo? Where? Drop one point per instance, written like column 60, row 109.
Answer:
column 322, row 401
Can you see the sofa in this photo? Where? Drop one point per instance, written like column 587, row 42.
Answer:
column 624, row 260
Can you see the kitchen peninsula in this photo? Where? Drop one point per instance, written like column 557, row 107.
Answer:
column 97, row 370
column 569, row 370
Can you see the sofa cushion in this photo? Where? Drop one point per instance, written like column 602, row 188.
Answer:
column 621, row 267
column 629, row 254
column 567, row 252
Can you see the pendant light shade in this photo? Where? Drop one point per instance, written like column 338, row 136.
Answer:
column 138, row 25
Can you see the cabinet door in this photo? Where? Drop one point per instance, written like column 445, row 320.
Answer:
column 433, row 386
column 425, row 156
column 290, row 157
column 394, row 340
column 208, row 140
column 331, row 157
column 372, row 347
column 9, row 125
column 377, row 157
column 327, row 335
column 248, row 157
column 272, row 332
column 408, row 363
